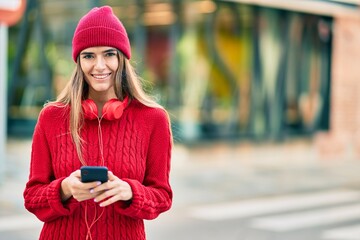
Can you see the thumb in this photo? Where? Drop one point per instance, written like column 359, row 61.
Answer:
column 111, row 176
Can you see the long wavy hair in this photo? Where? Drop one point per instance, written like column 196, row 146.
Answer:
column 127, row 83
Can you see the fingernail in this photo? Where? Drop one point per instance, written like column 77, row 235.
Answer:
column 91, row 190
column 98, row 183
column 95, row 200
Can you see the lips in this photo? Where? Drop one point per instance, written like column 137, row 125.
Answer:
column 101, row 76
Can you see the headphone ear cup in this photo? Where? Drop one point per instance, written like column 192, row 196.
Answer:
column 89, row 109
column 113, row 109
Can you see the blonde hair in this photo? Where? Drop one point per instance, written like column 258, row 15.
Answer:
column 127, row 83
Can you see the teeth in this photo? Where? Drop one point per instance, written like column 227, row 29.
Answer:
column 100, row 76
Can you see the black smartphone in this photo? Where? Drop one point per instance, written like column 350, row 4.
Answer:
column 94, row 173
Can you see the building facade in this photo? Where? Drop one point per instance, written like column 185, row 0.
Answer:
column 240, row 69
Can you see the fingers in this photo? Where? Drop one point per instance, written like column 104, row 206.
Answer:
column 113, row 191
column 72, row 186
column 76, row 184
column 107, row 193
column 76, row 173
column 112, row 196
column 82, row 195
column 110, row 201
column 90, row 185
column 82, row 191
column 111, row 176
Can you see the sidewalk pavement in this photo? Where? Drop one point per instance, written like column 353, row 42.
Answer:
column 216, row 172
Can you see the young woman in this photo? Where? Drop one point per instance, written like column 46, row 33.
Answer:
column 102, row 118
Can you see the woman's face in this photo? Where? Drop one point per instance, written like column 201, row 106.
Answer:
column 99, row 65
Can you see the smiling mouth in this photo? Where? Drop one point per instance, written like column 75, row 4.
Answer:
column 101, row 76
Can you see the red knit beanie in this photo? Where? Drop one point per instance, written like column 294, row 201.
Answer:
column 100, row 27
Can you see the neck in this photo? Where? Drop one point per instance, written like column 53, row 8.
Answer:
column 101, row 99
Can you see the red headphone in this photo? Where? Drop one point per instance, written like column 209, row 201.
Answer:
column 112, row 110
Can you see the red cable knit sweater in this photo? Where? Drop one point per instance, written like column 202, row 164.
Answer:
column 137, row 149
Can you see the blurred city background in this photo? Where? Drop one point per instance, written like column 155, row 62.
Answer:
column 263, row 98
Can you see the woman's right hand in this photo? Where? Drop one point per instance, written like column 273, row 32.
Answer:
column 72, row 186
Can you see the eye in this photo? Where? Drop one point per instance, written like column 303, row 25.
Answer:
column 110, row 54
column 87, row 56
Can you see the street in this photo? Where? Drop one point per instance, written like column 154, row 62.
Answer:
column 324, row 215
column 332, row 214
column 230, row 193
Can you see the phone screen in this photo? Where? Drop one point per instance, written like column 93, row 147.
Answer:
column 94, row 173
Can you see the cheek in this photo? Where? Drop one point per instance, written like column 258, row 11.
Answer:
column 113, row 65
column 86, row 77
column 84, row 67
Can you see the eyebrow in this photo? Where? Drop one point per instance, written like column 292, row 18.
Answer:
column 106, row 51
column 110, row 50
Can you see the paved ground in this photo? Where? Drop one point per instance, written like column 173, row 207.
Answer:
column 202, row 174
column 216, row 172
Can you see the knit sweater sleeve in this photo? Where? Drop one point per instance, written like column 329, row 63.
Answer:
column 42, row 191
column 154, row 195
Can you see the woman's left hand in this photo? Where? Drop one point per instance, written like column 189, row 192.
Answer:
column 114, row 190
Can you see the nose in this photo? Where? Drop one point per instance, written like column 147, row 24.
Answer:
column 100, row 63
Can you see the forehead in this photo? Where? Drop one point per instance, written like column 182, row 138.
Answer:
column 99, row 49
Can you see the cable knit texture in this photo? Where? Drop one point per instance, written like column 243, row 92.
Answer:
column 137, row 149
